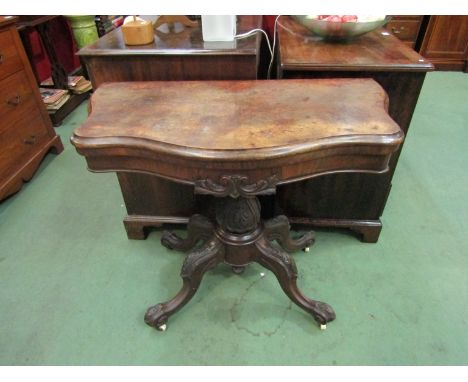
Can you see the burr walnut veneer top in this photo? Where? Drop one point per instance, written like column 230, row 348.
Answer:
column 187, row 130
column 240, row 115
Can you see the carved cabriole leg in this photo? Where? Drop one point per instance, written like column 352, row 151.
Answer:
column 193, row 269
column 279, row 229
column 198, row 228
column 284, row 268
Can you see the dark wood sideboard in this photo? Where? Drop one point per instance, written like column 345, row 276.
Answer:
column 354, row 201
column 26, row 133
column 178, row 53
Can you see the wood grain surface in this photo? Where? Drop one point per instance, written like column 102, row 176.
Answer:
column 187, row 131
column 375, row 51
column 240, row 115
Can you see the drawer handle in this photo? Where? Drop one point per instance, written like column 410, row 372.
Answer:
column 14, row 101
column 396, row 31
column 31, row 140
column 1, row 58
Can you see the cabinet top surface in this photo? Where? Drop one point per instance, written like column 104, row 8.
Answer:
column 375, row 51
column 178, row 41
column 225, row 116
column 7, row 20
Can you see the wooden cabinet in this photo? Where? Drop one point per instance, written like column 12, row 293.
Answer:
column 406, row 28
column 445, row 42
column 26, row 133
column 352, row 200
column 179, row 54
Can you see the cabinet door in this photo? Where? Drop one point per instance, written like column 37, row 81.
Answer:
column 445, row 42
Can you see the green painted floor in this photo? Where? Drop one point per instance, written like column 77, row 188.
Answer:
column 74, row 289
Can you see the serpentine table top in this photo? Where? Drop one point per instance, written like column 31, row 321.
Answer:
column 187, row 131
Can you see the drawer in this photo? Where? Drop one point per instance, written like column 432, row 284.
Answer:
column 10, row 60
column 405, row 30
column 19, row 142
column 16, row 99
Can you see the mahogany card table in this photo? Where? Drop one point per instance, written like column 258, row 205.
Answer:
column 233, row 141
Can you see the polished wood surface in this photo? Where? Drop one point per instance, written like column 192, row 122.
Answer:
column 240, row 116
column 175, row 54
column 374, row 51
column 26, row 133
column 179, row 41
column 354, row 201
column 282, row 123
column 238, row 140
column 445, row 42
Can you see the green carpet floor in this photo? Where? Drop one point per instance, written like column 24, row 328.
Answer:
column 74, row 289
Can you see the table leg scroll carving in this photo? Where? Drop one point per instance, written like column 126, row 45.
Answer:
column 193, row 269
column 238, row 239
column 279, row 229
column 284, row 268
column 198, row 228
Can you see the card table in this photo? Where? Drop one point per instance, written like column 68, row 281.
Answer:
column 234, row 141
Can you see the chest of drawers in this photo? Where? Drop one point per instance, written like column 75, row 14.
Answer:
column 26, row 133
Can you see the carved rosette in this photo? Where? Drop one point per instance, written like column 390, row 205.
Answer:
column 235, row 186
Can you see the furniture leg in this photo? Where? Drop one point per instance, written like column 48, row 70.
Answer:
column 370, row 233
column 284, row 268
column 193, row 269
column 238, row 219
column 135, row 231
column 279, row 229
column 198, row 228
column 238, row 239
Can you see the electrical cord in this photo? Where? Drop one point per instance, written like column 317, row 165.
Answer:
column 270, row 48
column 273, row 48
column 250, row 33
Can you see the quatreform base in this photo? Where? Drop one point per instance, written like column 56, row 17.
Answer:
column 238, row 238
